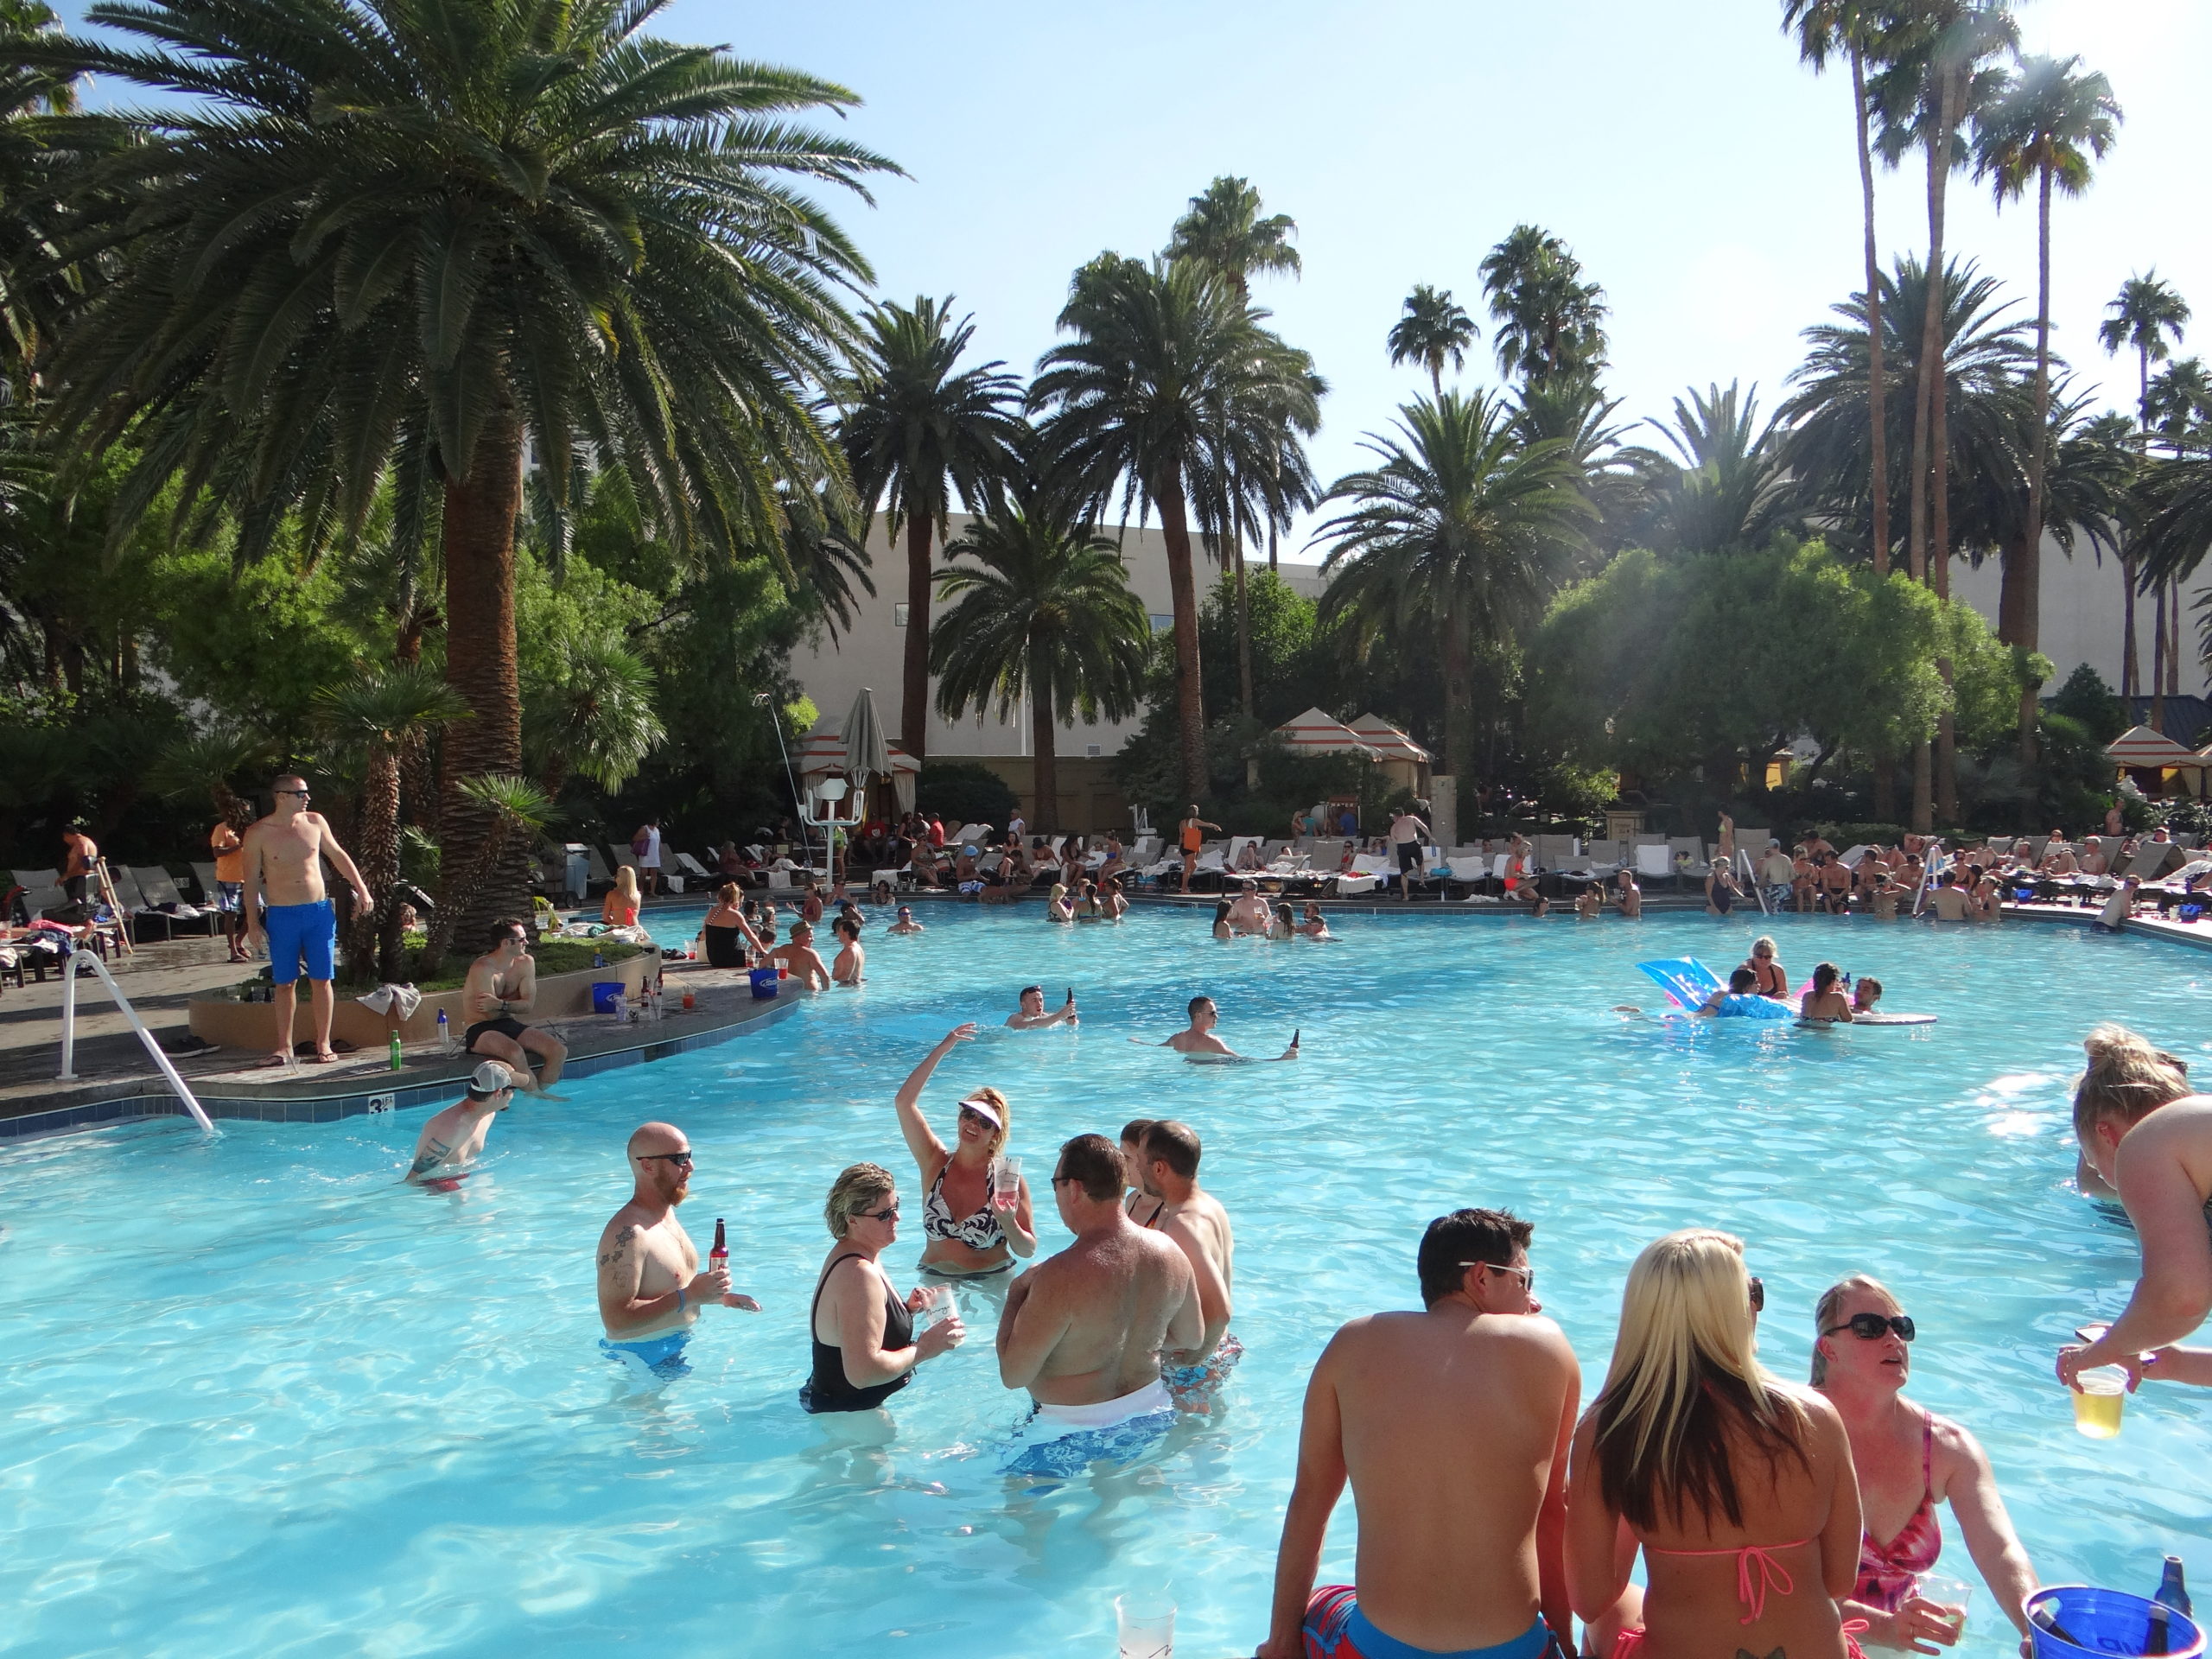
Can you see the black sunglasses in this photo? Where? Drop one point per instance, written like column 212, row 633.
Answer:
column 1759, row 1298
column 892, row 1214
column 681, row 1159
column 1870, row 1326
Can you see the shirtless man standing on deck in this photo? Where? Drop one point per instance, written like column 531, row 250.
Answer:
column 1194, row 1220
column 1082, row 1330
column 650, row 1289
column 1461, row 1534
column 283, row 870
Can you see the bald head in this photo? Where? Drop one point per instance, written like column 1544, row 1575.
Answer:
column 649, row 1138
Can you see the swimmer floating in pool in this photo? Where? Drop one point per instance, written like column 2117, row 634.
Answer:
column 452, row 1139
column 1198, row 1042
column 650, row 1289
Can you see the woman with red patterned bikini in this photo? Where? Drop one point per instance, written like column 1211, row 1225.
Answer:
column 1908, row 1460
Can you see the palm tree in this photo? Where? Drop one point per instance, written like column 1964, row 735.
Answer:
column 592, row 716
column 1224, row 234
column 2145, row 313
column 421, row 239
column 1434, row 331
column 516, row 810
column 2046, row 124
column 1550, row 322
column 1044, row 613
column 1461, row 533
column 381, row 713
column 1175, row 395
column 207, row 764
column 918, row 430
column 1855, row 28
column 1731, row 488
column 2177, row 405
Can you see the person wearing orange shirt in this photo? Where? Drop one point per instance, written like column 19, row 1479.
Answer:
column 230, row 886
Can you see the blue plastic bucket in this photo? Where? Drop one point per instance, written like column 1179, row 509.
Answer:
column 2107, row 1624
column 606, row 996
column 764, row 983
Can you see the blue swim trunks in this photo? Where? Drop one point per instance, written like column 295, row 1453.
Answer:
column 1335, row 1628
column 296, row 930
column 1060, row 1442
column 660, row 1358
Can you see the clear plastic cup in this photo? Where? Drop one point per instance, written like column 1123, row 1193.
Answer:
column 2099, row 1394
column 1955, row 1596
column 1145, row 1627
column 1006, row 1183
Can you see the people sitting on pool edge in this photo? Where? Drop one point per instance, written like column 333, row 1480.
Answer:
column 1460, row 1533
column 1030, row 1015
column 1737, row 1488
column 1197, row 1224
column 1082, row 1330
column 1908, row 1461
column 2148, row 1138
column 970, row 1222
column 1198, row 1041
column 502, row 984
column 451, row 1140
column 864, row 1345
column 651, row 1288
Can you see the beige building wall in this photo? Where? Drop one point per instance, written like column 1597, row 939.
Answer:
column 872, row 654
column 2084, row 607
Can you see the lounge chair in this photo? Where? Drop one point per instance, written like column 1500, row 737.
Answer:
column 1654, row 859
column 697, row 871
column 203, row 875
column 600, row 871
column 2151, row 859
column 159, row 892
column 1699, row 863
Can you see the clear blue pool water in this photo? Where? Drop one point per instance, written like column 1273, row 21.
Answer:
column 257, row 1402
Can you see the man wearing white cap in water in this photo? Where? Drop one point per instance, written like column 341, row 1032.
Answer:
column 452, row 1139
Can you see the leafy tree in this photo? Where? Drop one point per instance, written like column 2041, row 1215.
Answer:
column 1045, row 614
column 1434, row 331
column 1550, row 322
column 419, row 239
column 962, row 792
column 2177, row 406
column 1730, row 489
column 1175, row 395
column 1462, row 532
column 2045, row 126
column 518, row 811
column 592, row 715
column 919, row 429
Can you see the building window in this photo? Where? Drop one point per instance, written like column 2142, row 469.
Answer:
column 1091, row 751
column 1162, row 623
column 899, row 615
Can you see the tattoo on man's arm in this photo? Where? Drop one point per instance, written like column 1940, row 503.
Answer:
column 621, row 1245
column 433, row 1153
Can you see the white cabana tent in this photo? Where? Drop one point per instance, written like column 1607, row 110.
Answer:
column 1315, row 733
column 1404, row 761
column 2140, row 749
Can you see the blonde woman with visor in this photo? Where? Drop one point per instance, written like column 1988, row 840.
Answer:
column 968, row 1233
column 1737, row 1488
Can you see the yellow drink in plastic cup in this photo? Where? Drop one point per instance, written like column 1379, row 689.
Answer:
column 2099, row 1394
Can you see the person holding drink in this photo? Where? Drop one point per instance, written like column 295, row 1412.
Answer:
column 866, row 1348
column 976, row 1216
column 2148, row 1138
column 1908, row 1461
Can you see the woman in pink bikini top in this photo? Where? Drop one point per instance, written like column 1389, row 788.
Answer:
column 1908, row 1460
column 1736, row 1487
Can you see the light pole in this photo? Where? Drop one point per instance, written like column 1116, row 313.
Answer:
column 798, row 805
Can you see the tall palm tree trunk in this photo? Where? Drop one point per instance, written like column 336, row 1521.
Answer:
column 478, row 536
column 1244, row 628
column 2028, row 621
column 2158, row 657
column 1182, row 587
column 914, row 683
column 376, row 851
column 1459, row 694
column 2173, row 646
column 1943, row 766
column 1044, row 761
column 1877, row 405
column 2130, row 667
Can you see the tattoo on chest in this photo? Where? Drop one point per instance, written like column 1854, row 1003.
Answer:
column 619, row 1248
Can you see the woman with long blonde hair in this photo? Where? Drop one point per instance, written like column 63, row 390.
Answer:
column 619, row 907
column 973, row 1223
column 1737, row 1488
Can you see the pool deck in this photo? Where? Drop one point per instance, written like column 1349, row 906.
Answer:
column 116, row 1082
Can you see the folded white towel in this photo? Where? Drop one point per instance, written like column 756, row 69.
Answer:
column 383, row 1000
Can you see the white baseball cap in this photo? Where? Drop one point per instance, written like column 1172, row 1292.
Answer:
column 489, row 1078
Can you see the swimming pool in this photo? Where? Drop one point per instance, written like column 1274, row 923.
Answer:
column 257, row 1402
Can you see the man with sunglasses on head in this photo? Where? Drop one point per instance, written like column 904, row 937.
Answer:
column 284, row 854
column 1452, row 1427
column 1909, row 1462
column 650, row 1289
column 1082, row 1330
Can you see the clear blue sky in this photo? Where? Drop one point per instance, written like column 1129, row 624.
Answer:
column 1706, row 179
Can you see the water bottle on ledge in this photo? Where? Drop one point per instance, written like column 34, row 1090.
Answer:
column 398, row 1054
column 445, row 1033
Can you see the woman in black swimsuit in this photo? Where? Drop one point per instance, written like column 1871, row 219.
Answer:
column 726, row 934
column 865, row 1348
column 972, row 1225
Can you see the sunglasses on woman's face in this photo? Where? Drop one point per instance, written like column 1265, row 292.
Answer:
column 1870, row 1327
column 1759, row 1295
column 892, row 1214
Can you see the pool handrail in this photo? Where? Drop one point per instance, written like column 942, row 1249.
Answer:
column 70, row 957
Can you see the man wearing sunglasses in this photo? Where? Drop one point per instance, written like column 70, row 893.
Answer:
column 284, row 856
column 650, row 1289
column 1452, row 1425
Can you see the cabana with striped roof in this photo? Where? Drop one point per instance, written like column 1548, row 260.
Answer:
column 1315, row 733
column 2159, row 764
column 1404, row 762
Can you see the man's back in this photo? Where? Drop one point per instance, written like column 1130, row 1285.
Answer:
column 1109, row 1299
column 1451, row 1425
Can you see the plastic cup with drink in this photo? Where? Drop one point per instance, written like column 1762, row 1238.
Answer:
column 1953, row 1595
column 1006, row 1183
column 2099, row 1392
column 1144, row 1627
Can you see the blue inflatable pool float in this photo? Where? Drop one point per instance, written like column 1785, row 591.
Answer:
column 1690, row 984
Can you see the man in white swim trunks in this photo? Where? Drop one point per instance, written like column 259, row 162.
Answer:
column 452, row 1139
column 1082, row 1330
column 1195, row 1220
column 650, row 1289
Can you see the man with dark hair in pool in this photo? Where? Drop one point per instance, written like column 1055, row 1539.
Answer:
column 452, row 1139
column 1452, row 1425
column 1030, row 1015
column 1082, row 1330
column 1199, row 1043
column 1194, row 1219
column 650, row 1289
